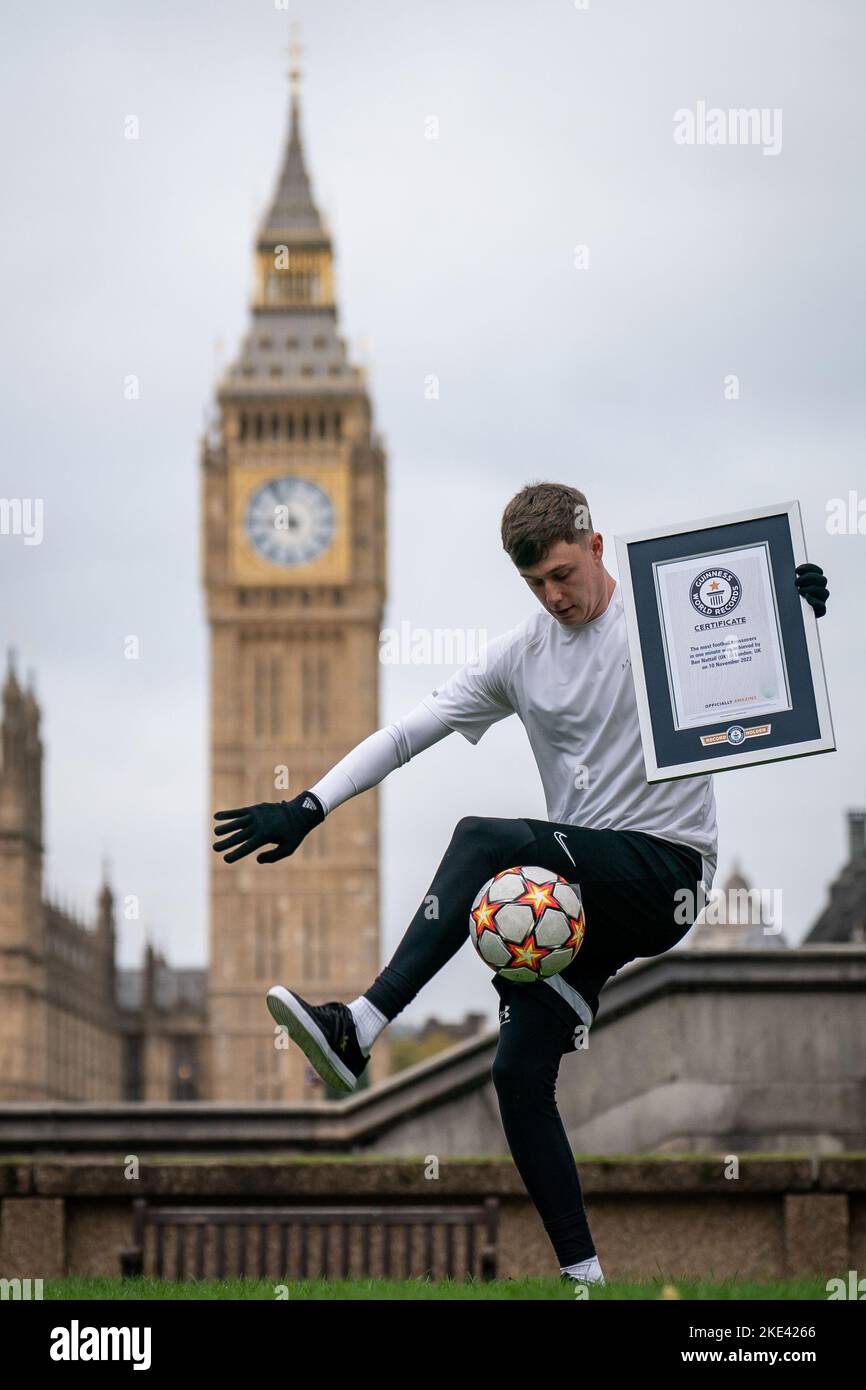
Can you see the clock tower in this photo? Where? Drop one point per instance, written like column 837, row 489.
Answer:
column 294, row 575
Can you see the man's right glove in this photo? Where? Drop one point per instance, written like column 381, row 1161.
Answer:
column 283, row 823
column 811, row 583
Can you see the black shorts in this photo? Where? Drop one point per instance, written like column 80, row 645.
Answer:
column 627, row 881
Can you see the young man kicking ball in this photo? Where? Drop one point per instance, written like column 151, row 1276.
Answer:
column 628, row 844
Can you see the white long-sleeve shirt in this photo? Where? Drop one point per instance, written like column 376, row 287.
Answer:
column 573, row 691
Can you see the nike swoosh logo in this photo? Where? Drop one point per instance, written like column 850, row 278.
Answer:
column 559, row 836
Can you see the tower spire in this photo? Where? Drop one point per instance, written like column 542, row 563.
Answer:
column 292, row 208
column 11, row 672
column 294, row 51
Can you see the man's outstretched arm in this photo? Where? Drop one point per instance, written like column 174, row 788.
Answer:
column 285, row 824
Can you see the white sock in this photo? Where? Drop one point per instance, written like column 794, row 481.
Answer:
column 369, row 1022
column 588, row 1271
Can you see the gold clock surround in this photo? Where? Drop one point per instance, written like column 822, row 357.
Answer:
column 249, row 567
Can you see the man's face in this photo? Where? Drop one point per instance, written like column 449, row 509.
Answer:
column 569, row 581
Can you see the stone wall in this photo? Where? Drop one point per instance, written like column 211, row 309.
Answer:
column 685, row 1216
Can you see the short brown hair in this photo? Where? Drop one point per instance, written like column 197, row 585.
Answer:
column 539, row 516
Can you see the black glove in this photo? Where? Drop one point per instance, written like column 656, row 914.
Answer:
column 283, row 823
column 811, row 583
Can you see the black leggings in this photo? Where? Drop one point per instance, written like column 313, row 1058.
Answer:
column 627, row 881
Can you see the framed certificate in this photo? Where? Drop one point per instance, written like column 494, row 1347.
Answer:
column 725, row 653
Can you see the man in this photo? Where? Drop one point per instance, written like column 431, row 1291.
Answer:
column 628, row 844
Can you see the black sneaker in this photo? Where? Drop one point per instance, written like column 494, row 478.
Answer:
column 325, row 1033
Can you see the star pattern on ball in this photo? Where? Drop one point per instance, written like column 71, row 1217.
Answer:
column 484, row 915
column 540, row 897
column 578, row 925
column 527, row 953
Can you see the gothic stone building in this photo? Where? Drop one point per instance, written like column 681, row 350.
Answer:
column 72, row 1025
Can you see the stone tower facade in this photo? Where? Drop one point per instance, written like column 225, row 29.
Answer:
column 60, row 1032
column 22, row 937
column 294, row 576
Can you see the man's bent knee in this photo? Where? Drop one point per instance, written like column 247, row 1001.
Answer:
column 470, row 826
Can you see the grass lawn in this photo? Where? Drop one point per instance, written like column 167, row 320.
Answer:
column 378, row 1289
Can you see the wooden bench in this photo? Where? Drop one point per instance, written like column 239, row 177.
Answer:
column 358, row 1255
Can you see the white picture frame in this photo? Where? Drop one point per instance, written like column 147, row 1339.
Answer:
column 672, row 750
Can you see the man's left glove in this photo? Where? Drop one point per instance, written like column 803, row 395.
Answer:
column 283, row 823
column 811, row 583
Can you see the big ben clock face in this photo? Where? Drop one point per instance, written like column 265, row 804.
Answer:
column 290, row 521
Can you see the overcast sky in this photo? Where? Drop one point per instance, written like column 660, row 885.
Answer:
column 455, row 257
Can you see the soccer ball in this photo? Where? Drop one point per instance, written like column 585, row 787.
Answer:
column 527, row 923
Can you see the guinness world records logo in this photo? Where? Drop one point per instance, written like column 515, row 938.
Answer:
column 715, row 592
